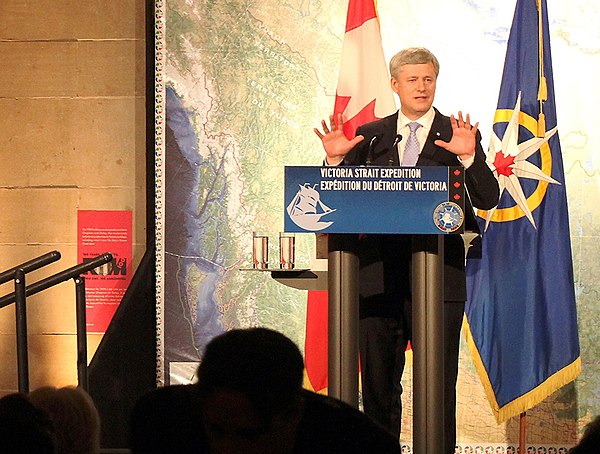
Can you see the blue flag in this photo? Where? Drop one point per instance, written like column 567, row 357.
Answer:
column 521, row 313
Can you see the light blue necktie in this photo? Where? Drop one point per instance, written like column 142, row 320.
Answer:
column 412, row 148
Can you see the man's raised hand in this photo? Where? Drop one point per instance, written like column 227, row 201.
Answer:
column 335, row 143
column 462, row 143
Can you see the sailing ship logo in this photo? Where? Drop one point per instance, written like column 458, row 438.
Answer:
column 306, row 209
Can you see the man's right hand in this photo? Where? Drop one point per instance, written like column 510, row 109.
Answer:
column 335, row 143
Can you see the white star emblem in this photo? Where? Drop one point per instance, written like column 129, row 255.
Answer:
column 508, row 160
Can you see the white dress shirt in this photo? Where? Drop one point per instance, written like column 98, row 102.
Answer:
column 425, row 121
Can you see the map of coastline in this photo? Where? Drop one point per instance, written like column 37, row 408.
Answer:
column 245, row 85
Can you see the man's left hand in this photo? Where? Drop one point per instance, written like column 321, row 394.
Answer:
column 462, row 143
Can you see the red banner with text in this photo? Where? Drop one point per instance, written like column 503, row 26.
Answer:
column 99, row 232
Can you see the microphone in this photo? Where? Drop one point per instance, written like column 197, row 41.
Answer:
column 394, row 145
column 372, row 143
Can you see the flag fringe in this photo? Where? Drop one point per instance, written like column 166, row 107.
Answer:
column 528, row 400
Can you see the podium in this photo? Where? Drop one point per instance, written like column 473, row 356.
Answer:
column 425, row 202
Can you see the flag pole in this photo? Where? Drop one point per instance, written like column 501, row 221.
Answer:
column 541, row 131
column 522, row 432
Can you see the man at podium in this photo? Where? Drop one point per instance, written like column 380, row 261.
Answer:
column 418, row 134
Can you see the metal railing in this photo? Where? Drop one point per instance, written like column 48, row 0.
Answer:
column 22, row 291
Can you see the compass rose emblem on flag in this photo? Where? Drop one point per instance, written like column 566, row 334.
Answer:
column 509, row 160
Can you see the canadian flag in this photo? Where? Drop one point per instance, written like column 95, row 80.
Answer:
column 363, row 94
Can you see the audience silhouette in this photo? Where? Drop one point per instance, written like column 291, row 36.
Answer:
column 74, row 417
column 24, row 429
column 249, row 399
column 590, row 442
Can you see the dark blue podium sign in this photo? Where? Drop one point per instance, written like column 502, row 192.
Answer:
column 402, row 200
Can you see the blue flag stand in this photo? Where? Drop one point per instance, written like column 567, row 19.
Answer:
column 425, row 202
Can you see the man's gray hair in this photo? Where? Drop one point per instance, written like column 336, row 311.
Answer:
column 413, row 56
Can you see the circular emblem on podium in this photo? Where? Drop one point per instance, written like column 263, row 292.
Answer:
column 448, row 217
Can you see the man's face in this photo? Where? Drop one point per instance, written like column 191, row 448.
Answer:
column 415, row 86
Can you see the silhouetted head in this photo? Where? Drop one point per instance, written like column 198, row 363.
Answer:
column 23, row 427
column 590, row 442
column 74, row 416
column 249, row 384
